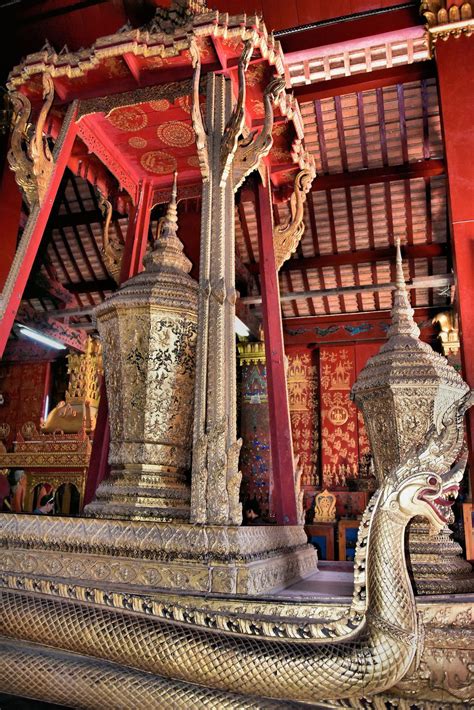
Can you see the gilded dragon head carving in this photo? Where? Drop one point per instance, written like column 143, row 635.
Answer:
column 426, row 483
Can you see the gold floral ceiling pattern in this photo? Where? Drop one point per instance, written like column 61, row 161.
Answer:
column 160, row 105
column 137, row 142
column 176, row 134
column 130, row 118
column 158, row 162
column 184, row 102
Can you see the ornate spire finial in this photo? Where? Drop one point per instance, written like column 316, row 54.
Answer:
column 399, row 277
column 169, row 224
column 402, row 313
column 167, row 250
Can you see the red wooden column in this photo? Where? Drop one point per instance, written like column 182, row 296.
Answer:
column 132, row 262
column 98, row 464
column 137, row 234
column 10, row 210
column 455, row 60
column 284, row 499
column 30, row 241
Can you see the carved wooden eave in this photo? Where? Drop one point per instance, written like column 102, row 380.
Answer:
column 141, row 43
column 211, row 41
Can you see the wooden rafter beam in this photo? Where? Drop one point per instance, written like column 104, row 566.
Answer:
column 438, row 281
column 422, row 313
column 388, row 173
column 91, row 286
column 363, row 256
column 77, row 219
column 376, row 79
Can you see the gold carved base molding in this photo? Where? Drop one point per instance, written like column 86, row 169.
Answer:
column 174, row 556
column 435, row 561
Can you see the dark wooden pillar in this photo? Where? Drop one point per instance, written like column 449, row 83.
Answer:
column 284, row 499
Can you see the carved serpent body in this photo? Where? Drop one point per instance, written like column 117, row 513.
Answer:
column 375, row 650
column 299, row 670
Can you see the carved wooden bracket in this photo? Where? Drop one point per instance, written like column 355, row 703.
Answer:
column 251, row 149
column 196, row 115
column 235, row 124
column 112, row 248
column 286, row 236
column 29, row 156
column 18, row 158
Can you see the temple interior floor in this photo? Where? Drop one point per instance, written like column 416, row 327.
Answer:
column 332, row 580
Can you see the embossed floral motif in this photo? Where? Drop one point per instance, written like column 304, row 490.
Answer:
column 160, row 105
column 158, row 162
column 176, row 133
column 184, row 103
column 255, row 74
column 137, row 142
column 130, row 118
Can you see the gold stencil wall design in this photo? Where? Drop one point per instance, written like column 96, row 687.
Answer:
column 303, row 399
column 339, row 431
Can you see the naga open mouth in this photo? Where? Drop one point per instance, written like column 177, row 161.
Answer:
column 443, row 503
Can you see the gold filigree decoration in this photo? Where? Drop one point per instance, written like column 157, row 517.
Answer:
column 159, row 98
column 299, row 490
column 4, row 430
column 29, row 430
column 137, row 142
column 215, row 473
column 255, row 74
column 18, row 157
column 130, row 118
column 251, row 150
column 185, row 102
column 287, row 235
column 251, row 353
column 176, row 134
column 404, row 391
column 29, row 155
column 158, row 162
column 160, row 105
column 148, row 330
column 338, row 415
column 447, row 19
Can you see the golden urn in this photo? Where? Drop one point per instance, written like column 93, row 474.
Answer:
column 148, row 331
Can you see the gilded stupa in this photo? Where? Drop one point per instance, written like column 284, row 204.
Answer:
column 403, row 391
